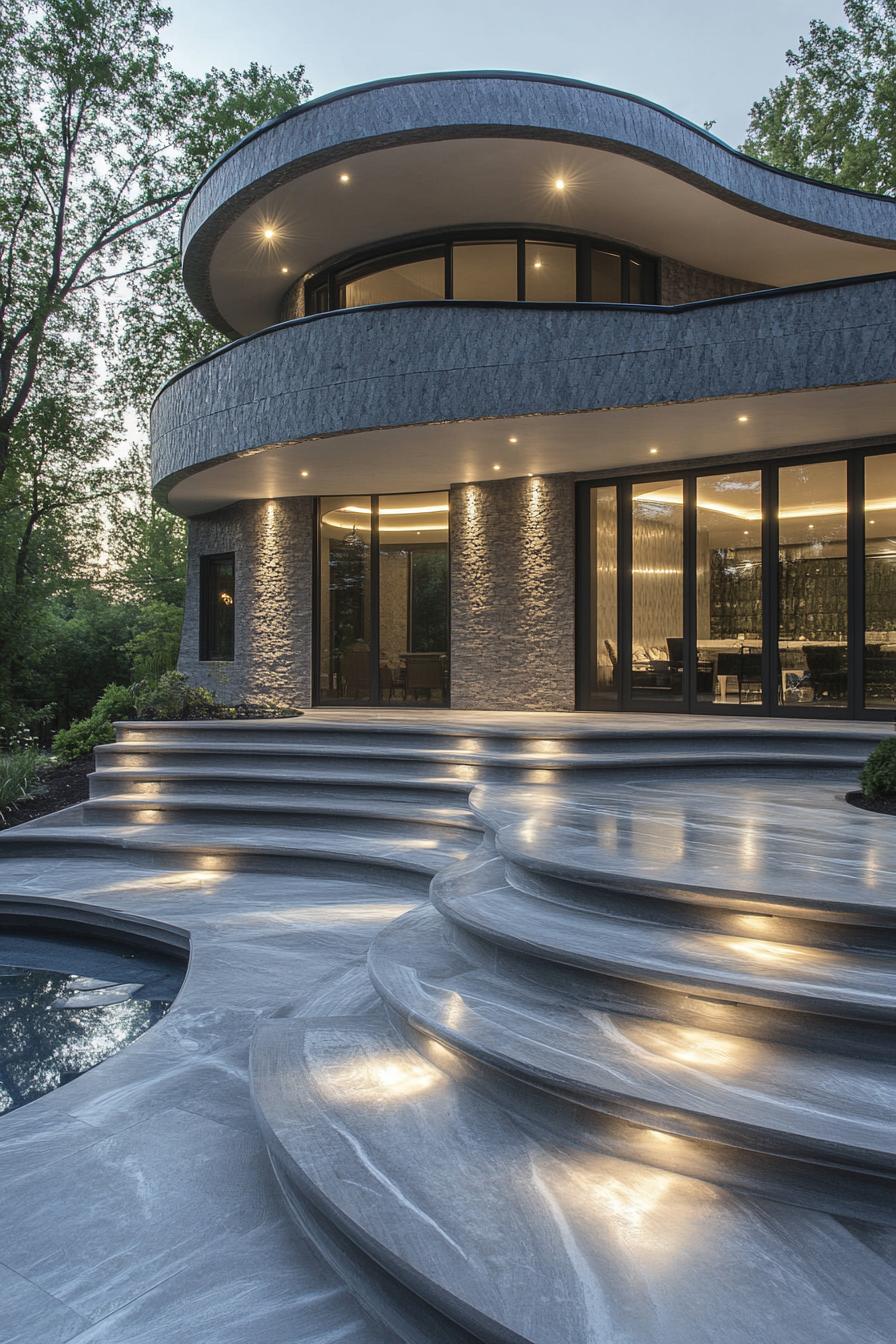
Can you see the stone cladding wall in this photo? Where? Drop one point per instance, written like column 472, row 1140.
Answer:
column 680, row 283
column 513, row 594
column 273, row 600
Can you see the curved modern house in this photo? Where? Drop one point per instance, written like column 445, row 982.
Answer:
column 537, row 397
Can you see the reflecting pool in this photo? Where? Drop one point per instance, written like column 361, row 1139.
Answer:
column 67, row 1004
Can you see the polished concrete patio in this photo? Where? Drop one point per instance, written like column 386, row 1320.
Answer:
column 144, row 1204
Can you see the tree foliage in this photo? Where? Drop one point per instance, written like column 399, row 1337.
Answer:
column 101, row 141
column 834, row 116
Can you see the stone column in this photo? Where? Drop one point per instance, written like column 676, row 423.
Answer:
column 273, row 601
column 513, row 594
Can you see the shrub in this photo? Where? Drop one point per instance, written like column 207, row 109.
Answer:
column 879, row 773
column 172, row 697
column 116, row 702
column 20, row 773
column 154, row 648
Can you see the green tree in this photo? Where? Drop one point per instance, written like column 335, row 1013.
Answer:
column 834, row 116
column 100, row 140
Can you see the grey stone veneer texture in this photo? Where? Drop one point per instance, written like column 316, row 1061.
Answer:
column 272, row 544
column 372, row 117
column 513, row 594
column 680, row 283
column 369, row 368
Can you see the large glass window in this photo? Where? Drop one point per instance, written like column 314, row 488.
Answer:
column 604, row 530
column 550, row 272
column 556, row 268
column 384, row 554
column 216, row 608
column 698, row 615
column 412, row 278
column 657, row 590
column 729, row 588
column 812, row 584
column 413, row 598
column 880, row 581
column 484, row 270
column 345, row 634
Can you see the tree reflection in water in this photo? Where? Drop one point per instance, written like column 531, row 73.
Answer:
column 44, row 1044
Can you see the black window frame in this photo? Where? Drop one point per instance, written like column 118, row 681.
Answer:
column 769, row 706
column 323, row 287
column 208, row 584
column 374, row 700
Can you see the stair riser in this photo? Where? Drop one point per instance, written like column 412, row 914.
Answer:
column 716, row 911
column 98, row 813
column 682, row 742
column 824, row 1185
column 262, row 790
column 708, row 1011
column 399, row 876
column 784, row 1147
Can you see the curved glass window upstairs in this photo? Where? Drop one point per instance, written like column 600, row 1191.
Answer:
column 492, row 267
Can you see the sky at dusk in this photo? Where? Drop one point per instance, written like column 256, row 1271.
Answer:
column 704, row 59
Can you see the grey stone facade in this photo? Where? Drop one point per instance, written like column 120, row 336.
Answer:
column 371, row 368
column 273, row 601
column 513, row 594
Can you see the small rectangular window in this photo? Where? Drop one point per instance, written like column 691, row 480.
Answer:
column 216, row 593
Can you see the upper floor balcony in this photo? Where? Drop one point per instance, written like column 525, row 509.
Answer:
column 416, row 396
column 405, row 176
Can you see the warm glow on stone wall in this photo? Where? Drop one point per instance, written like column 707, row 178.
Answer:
column 512, row 594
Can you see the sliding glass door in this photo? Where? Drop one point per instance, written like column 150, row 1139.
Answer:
column 382, row 621
column 760, row 589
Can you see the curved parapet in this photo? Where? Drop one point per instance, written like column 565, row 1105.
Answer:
column 419, row 396
column 395, row 157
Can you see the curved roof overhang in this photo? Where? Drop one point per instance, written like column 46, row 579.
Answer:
column 417, row 397
column 454, row 150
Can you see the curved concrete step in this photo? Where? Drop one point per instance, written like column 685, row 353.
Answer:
column 262, row 848
column 369, row 813
column 827, row 981
column 693, row 1081
column 258, row 782
column 517, row 1235
column 751, row 844
column 472, row 761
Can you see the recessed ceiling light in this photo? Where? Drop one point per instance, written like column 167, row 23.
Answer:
column 285, row 270
column 870, row 522
column 513, row 439
column 268, row 233
column 811, row 527
column 559, row 184
column 654, row 451
column 304, row 473
column 537, row 264
column 746, row 531
column 742, row 419
column 496, row 466
column 344, row 177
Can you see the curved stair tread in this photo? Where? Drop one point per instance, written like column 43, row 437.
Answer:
column 356, row 806
column 324, row 774
column 817, row 855
column 476, row 896
column 452, row 1196
column 781, row 1098
column 576, row 756
column 419, row 854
